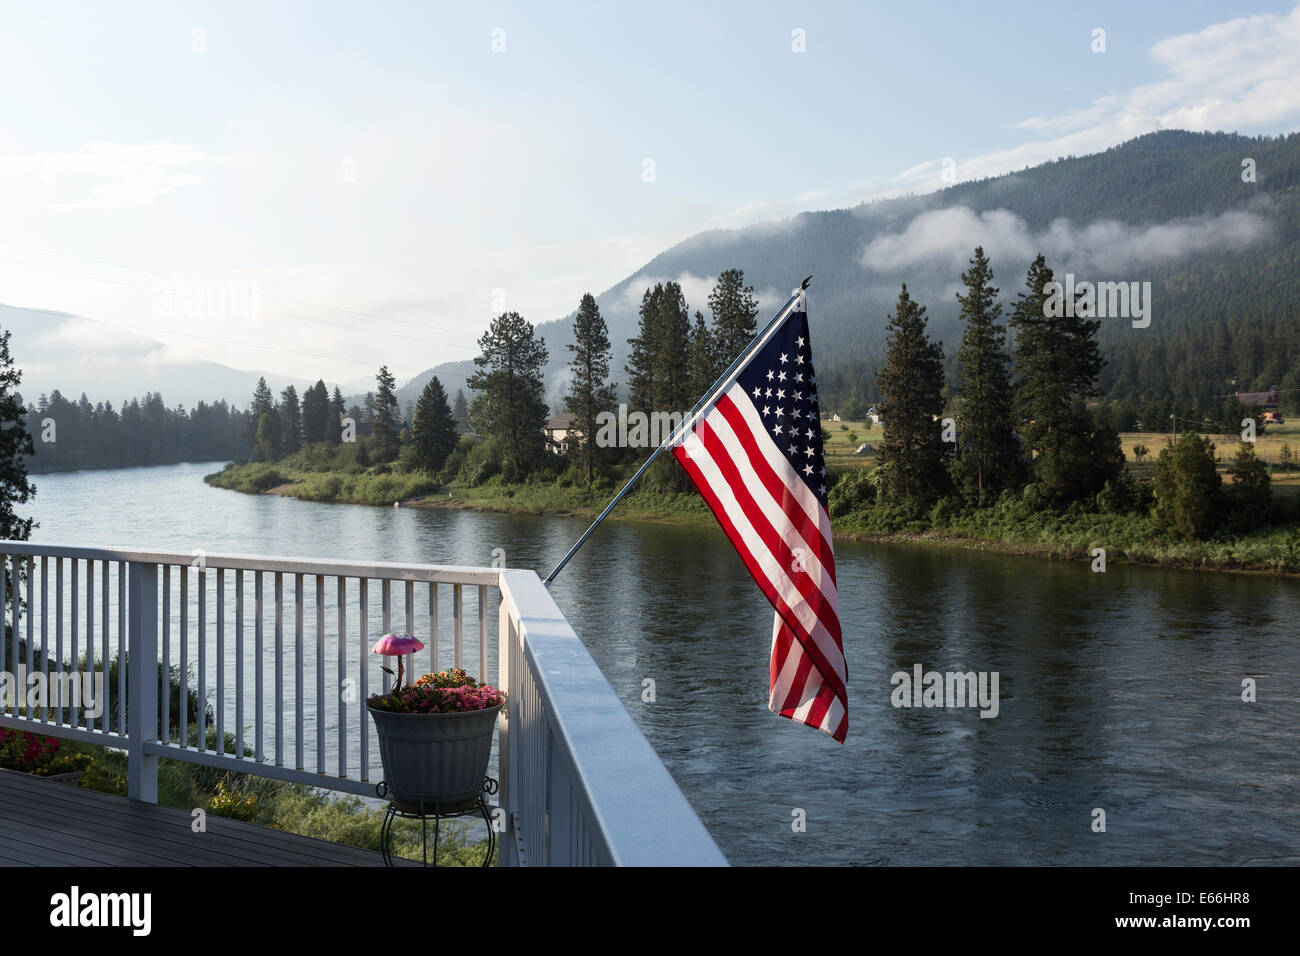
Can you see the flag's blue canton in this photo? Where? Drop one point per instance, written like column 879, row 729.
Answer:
column 779, row 381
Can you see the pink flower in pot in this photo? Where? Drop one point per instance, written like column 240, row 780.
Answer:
column 396, row 645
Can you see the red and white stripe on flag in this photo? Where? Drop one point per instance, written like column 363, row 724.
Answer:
column 756, row 458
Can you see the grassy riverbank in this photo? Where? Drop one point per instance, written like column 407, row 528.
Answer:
column 1011, row 527
column 1126, row 539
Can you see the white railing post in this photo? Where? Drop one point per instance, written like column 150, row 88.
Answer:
column 142, row 681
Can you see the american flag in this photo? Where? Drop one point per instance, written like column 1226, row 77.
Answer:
column 755, row 454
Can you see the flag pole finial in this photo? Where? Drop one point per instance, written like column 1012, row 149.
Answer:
column 804, row 283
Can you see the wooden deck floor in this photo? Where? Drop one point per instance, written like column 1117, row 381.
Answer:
column 53, row 824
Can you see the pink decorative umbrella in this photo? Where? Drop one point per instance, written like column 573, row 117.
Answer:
column 397, row 645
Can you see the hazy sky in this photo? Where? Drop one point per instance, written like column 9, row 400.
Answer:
column 435, row 164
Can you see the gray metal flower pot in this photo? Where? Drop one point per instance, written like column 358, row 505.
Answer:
column 435, row 758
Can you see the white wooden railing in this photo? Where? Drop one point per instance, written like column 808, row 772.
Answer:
column 279, row 648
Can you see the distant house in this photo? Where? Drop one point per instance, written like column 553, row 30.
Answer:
column 834, row 417
column 560, row 430
column 873, row 413
column 1267, row 399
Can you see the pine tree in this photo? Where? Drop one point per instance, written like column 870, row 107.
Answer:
column 316, row 413
column 989, row 459
column 911, row 381
column 1187, row 487
column 1058, row 364
column 338, row 412
column 460, row 412
column 509, row 380
column 263, row 403
column 590, row 392
column 672, row 389
column 641, row 353
column 704, row 369
column 15, row 449
column 433, row 433
column 264, row 441
column 290, row 421
column 386, row 425
column 735, row 314
column 1250, row 495
column 672, row 380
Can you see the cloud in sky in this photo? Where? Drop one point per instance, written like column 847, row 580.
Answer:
column 695, row 289
column 103, row 175
column 948, row 235
column 1232, row 76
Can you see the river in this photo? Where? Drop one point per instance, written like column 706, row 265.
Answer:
column 1118, row 691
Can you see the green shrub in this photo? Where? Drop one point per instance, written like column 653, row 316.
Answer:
column 945, row 512
column 231, row 801
column 481, row 463
column 852, row 491
column 1187, row 487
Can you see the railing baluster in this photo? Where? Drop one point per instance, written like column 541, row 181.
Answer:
column 482, row 634
column 433, row 626
column 410, row 629
column 73, row 694
column 341, row 690
column 239, row 664
column 279, row 669
column 297, row 665
column 258, row 755
column 202, row 720
column 166, row 707
column 221, row 662
column 90, row 641
column 58, row 642
column 122, row 644
column 16, row 658
column 184, row 712
column 457, row 615
column 5, row 667
column 105, row 712
column 31, row 615
column 320, row 673
column 363, row 619
column 13, row 665
column 45, row 629
column 386, row 605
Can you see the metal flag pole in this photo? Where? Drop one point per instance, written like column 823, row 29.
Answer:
column 689, row 422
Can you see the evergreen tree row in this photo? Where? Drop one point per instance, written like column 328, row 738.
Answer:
column 69, row 435
column 1015, row 422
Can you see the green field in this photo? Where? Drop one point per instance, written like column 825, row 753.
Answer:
column 841, row 450
column 1268, row 446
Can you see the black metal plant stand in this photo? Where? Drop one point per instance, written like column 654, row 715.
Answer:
column 423, row 812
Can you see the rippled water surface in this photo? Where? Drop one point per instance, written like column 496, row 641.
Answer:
column 1119, row 691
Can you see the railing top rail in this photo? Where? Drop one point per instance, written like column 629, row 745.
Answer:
column 636, row 805
column 438, row 573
